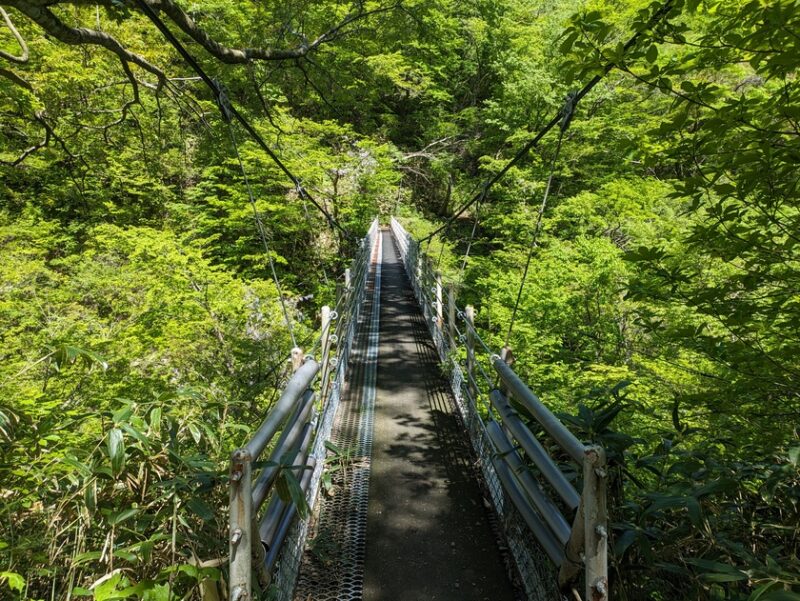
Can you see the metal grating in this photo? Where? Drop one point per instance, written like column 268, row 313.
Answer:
column 333, row 563
column 293, row 552
column 536, row 572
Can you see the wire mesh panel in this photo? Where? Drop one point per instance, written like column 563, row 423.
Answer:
column 341, row 518
column 538, row 575
column 284, row 580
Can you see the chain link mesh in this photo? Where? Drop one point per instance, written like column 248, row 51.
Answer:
column 285, row 576
column 536, row 572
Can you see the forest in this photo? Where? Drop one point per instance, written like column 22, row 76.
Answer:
column 657, row 232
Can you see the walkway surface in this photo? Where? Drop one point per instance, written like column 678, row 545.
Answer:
column 424, row 533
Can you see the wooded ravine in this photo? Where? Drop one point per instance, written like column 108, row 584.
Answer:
column 142, row 334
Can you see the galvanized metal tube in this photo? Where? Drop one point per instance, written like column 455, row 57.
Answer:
column 297, row 385
column 542, row 533
column 290, row 439
column 552, row 425
column 327, row 324
column 547, row 509
column 273, row 547
column 276, row 508
column 241, row 527
column 534, row 450
column 271, row 519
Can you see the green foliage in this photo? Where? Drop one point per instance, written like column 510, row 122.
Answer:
column 141, row 333
column 667, row 263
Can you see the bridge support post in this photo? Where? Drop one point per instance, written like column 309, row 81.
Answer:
column 327, row 323
column 439, row 303
column 469, row 312
column 297, row 358
column 347, row 278
column 595, row 518
column 451, row 316
column 241, row 527
column 418, row 284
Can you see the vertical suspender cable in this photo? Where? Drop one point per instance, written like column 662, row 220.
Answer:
column 469, row 243
column 232, row 113
column 569, row 107
column 259, row 223
column 655, row 18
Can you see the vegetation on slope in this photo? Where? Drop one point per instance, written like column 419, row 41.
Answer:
column 142, row 335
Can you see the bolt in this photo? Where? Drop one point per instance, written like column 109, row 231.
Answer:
column 600, row 586
column 601, row 531
column 236, row 536
column 600, row 472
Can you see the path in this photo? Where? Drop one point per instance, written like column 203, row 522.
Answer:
column 424, row 534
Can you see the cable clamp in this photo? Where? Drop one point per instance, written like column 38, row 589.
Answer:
column 569, row 109
column 223, row 102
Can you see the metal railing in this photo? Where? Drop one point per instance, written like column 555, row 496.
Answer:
column 530, row 491
column 265, row 536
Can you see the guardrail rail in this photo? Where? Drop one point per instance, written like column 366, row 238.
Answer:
column 531, row 493
column 265, row 536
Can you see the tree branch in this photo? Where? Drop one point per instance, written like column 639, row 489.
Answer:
column 38, row 11
column 244, row 55
column 10, row 75
column 31, row 149
column 23, row 58
column 74, row 36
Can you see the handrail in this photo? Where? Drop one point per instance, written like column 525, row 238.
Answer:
column 256, row 544
column 517, row 458
column 552, row 425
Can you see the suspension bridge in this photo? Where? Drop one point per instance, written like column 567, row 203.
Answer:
column 408, row 460
column 422, row 466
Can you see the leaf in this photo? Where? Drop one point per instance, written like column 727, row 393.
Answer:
column 695, row 511
column 714, row 571
column 159, row 592
column 336, row 450
column 120, row 517
column 780, row 595
column 155, row 420
column 794, row 455
column 718, row 577
column 116, row 450
column 195, row 432
column 288, row 488
column 761, row 590
column 201, row 508
column 105, row 587
column 13, row 580
column 83, row 558
column 652, row 53
column 624, row 541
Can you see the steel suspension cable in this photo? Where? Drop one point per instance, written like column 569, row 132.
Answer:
column 539, row 217
column 578, row 96
column 469, row 243
column 262, row 234
column 234, row 113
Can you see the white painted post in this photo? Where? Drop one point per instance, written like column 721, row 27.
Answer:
column 439, row 304
column 297, row 358
column 417, row 278
column 241, row 527
column 470, row 315
column 451, row 315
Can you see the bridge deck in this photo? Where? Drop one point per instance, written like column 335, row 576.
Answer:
column 424, row 533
